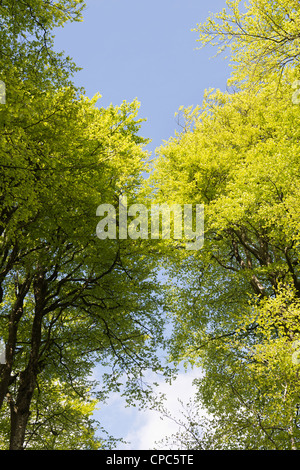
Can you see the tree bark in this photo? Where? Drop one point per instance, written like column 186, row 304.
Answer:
column 15, row 316
column 20, row 409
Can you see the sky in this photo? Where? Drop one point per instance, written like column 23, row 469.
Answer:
column 145, row 50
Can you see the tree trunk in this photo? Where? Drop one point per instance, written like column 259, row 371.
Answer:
column 19, row 418
column 15, row 316
column 20, row 409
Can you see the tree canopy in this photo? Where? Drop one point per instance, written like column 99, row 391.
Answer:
column 236, row 316
column 262, row 37
column 69, row 300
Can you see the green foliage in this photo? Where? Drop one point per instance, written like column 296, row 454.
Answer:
column 69, row 301
column 60, row 419
column 235, row 303
column 262, row 36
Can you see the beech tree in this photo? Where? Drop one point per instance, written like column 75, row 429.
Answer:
column 262, row 37
column 236, row 315
column 236, row 307
column 69, row 301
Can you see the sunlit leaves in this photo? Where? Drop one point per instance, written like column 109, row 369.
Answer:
column 262, row 35
column 234, row 314
column 69, row 300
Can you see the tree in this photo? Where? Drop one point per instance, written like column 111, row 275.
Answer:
column 240, row 158
column 69, row 300
column 26, row 40
column 60, row 419
column 262, row 35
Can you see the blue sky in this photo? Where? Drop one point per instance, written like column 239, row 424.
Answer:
column 145, row 50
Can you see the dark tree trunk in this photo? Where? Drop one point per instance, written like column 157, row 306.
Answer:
column 20, row 408
column 15, row 316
